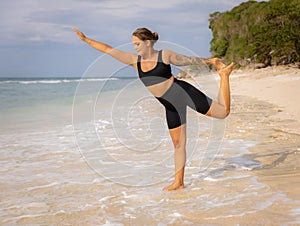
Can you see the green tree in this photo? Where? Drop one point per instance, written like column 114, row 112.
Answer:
column 270, row 31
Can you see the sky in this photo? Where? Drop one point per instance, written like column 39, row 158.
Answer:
column 37, row 40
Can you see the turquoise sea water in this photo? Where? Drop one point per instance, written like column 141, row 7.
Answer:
column 27, row 92
column 28, row 102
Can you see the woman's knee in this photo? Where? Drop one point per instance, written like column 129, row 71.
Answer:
column 227, row 112
column 220, row 114
column 178, row 136
column 177, row 143
column 218, row 111
column 224, row 114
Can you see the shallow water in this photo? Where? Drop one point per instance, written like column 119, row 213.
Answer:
column 46, row 182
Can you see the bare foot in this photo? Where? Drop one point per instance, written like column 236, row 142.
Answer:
column 227, row 70
column 216, row 62
column 174, row 186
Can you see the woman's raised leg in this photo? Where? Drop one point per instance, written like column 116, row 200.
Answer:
column 221, row 109
column 178, row 136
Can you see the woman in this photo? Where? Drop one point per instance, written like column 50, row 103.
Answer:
column 155, row 72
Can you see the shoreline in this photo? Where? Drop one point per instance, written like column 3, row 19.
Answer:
column 265, row 108
column 253, row 178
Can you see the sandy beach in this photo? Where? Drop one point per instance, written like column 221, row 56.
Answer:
column 265, row 108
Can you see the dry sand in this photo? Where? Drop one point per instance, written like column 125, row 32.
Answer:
column 277, row 85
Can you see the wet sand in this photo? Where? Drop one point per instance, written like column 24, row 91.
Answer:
column 266, row 108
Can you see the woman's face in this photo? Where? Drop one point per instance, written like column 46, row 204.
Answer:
column 140, row 46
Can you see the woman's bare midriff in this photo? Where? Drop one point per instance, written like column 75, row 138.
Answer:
column 160, row 89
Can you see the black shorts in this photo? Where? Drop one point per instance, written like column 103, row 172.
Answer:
column 180, row 95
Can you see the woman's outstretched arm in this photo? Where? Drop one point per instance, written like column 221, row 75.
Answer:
column 124, row 57
column 181, row 60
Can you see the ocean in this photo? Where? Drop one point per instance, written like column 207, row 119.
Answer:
column 96, row 151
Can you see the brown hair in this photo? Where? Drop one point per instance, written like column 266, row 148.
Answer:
column 145, row 34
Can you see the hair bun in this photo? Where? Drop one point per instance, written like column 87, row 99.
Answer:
column 145, row 34
column 155, row 36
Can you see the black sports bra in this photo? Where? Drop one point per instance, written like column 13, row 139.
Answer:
column 160, row 73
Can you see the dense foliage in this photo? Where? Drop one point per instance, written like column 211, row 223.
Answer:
column 265, row 32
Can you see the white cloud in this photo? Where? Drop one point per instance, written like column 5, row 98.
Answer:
column 17, row 26
column 34, row 20
column 50, row 20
